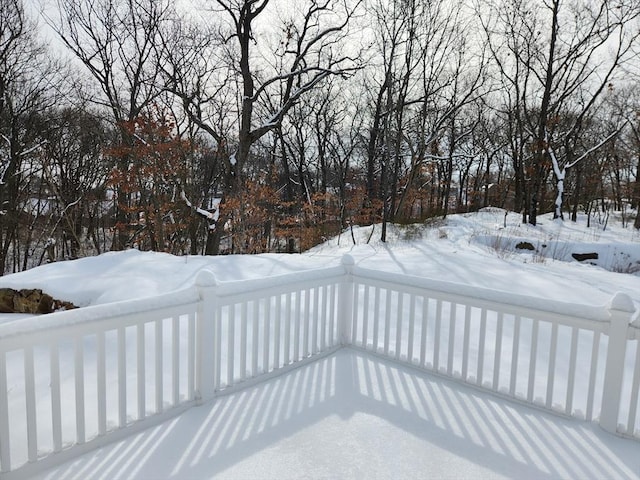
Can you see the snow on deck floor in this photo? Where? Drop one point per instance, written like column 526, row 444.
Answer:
column 352, row 415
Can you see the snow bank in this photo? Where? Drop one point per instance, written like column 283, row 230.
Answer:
column 87, row 315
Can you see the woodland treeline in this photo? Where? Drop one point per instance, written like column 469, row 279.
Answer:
column 246, row 126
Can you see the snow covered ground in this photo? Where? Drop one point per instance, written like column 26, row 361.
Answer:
column 475, row 249
column 352, row 415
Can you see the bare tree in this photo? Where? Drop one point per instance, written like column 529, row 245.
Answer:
column 563, row 58
column 116, row 43
column 309, row 51
column 512, row 30
column 585, row 77
column 27, row 80
column 320, row 138
column 428, row 71
column 75, row 172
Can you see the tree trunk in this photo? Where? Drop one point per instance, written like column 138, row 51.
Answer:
column 577, row 193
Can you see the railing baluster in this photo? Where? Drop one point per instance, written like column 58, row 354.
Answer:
column 572, row 371
column 552, row 365
column 243, row 340
column 387, row 322
column 305, row 324
column 425, row 325
column 191, row 354
column 532, row 360
column 141, row 367
column 412, row 321
column 56, row 402
column 175, row 357
column 481, row 341
column 465, row 342
column 498, row 352
column 267, row 334
column 30, row 394
column 102, row 383
column 231, row 340
column 436, row 340
column 277, row 334
column 515, row 349
column 333, row 337
column 79, row 383
column 159, row 366
column 254, row 337
column 316, row 314
column 399, row 318
column 635, row 391
column 217, row 338
column 365, row 317
column 5, row 454
column 355, row 310
column 376, row 318
column 595, row 346
column 452, row 337
column 296, row 326
column 287, row 329
column 122, row 378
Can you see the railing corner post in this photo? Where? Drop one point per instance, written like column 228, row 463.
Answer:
column 206, row 357
column 345, row 301
column 621, row 309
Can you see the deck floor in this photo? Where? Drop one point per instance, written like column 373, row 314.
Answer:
column 352, row 415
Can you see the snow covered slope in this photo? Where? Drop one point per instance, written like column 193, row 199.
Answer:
column 472, row 249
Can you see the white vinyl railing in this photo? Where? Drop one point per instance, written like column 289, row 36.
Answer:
column 73, row 381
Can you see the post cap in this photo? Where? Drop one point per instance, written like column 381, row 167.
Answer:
column 348, row 260
column 206, row 278
column 622, row 302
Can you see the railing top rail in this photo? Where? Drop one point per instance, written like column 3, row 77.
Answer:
column 485, row 295
column 189, row 295
column 94, row 313
column 300, row 279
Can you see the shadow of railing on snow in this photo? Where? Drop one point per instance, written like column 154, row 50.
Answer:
column 239, row 430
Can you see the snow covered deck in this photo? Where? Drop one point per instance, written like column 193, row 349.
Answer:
column 356, row 415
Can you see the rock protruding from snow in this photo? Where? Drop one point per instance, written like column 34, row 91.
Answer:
column 581, row 257
column 525, row 246
column 31, row 300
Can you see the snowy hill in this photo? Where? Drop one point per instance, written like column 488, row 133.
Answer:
column 480, row 249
